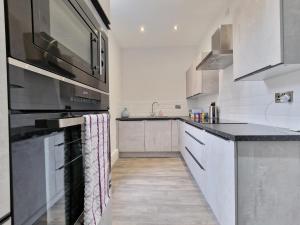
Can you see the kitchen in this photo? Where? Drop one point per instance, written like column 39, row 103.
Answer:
column 198, row 106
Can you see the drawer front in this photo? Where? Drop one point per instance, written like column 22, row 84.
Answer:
column 197, row 171
column 194, row 131
column 196, row 148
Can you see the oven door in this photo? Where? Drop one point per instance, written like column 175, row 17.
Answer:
column 59, row 36
column 47, row 168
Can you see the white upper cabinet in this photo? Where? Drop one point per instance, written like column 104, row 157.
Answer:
column 266, row 34
column 105, row 4
column 201, row 82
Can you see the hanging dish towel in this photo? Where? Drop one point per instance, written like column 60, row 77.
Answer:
column 96, row 150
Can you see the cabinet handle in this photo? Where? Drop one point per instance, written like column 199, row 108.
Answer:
column 199, row 164
column 257, row 71
column 200, row 142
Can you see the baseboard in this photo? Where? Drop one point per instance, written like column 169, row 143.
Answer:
column 114, row 156
column 149, row 154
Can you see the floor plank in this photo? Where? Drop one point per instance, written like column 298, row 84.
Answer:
column 157, row 192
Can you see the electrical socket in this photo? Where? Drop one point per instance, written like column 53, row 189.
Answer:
column 278, row 97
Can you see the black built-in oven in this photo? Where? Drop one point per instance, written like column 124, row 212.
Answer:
column 61, row 36
column 47, row 166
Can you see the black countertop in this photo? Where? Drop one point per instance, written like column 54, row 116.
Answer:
column 232, row 130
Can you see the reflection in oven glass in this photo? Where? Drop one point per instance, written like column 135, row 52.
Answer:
column 49, row 171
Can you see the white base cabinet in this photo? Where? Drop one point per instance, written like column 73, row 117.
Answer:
column 245, row 183
column 158, row 136
column 211, row 161
column 131, row 136
column 148, row 136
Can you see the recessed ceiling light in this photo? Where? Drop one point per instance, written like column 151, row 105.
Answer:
column 142, row 29
column 176, row 27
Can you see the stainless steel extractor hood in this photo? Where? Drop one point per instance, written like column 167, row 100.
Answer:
column 221, row 55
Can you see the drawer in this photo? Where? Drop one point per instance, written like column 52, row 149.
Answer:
column 196, row 148
column 197, row 133
column 197, row 172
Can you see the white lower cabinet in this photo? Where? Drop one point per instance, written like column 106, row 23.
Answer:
column 175, row 135
column 148, row 136
column 220, row 183
column 158, row 136
column 211, row 161
column 131, row 136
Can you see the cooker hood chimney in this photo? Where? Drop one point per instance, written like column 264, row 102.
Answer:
column 221, row 55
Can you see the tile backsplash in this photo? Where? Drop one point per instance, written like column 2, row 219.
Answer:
column 254, row 101
column 143, row 108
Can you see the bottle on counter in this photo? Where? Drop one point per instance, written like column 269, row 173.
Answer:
column 125, row 113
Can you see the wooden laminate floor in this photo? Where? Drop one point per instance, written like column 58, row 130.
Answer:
column 157, row 192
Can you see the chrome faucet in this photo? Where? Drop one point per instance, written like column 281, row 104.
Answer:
column 152, row 112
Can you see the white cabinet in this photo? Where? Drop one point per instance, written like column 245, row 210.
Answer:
column 220, row 183
column 266, row 35
column 131, row 136
column 105, row 4
column 158, row 136
column 211, row 161
column 201, row 82
column 175, row 135
column 148, row 136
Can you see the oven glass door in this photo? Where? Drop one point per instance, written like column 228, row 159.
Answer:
column 64, row 31
column 47, row 171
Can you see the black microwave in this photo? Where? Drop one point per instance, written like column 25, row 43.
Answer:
column 60, row 36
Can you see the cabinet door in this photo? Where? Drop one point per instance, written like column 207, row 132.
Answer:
column 131, row 136
column 158, row 136
column 175, row 135
column 193, row 81
column 181, row 136
column 257, row 36
column 105, row 4
column 220, row 182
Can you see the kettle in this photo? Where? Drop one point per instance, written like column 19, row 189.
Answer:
column 213, row 111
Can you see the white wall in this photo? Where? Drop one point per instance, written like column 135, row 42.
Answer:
column 115, row 79
column 252, row 101
column 156, row 74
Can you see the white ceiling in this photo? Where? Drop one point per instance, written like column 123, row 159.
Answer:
column 193, row 18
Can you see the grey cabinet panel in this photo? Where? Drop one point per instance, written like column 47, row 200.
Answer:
column 268, row 183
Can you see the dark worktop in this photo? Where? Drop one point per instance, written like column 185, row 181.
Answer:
column 234, row 131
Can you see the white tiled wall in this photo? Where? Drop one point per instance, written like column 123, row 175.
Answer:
column 144, row 108
column 253, row 101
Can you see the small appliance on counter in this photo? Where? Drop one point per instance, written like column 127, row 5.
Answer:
column 213, row 111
